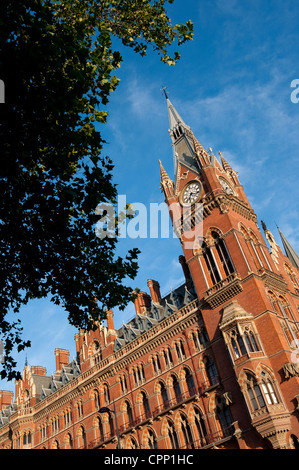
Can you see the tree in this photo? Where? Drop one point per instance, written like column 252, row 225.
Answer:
column 58, row 65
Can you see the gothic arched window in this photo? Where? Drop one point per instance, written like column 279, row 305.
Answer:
column 237, row 344
column 164, row 395
column 200, row 426
column 223, row 254
column 129, row 414
column 186, row 431
column 176, row 389
column 254, row 393
column 151, row 440
column 174, row 443
column 190, row 382
column 211, row 371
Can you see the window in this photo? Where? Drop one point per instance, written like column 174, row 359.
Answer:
column 82, row 438
column 55, row 425
column 200, row 338
column 190, row 382
column 138, row 373
column 67, row 417
column 223, row 254
column 151, row 440
column 254, row 393
column 180, row 350
column 168, row 358
column 237, row 344
column 156, row 364
column 164, row 395
column 250, row 340
column 69, row 442
column 200, row 426
column 123, row 384
column 211, row 371
column 146, row 412
column 106, row 394
column 111, row 424
column 268, row 390
column 133, row 443
column 210, row 263
column 96, row 400
column 176, row 389
column 96, row 351
column 80, row 409
column 128, row 414
column 174, row 444
column 186, row 431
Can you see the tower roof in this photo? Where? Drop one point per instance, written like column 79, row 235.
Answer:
column 290, row 252
column 174, row 117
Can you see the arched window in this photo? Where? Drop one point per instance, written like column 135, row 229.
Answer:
column 223, row 254
column 268, row 389
column 96, row 351
column 164, row 395
column 237, row 344
column 200, row 338
column 55, row 445
column 224, row 417
column 100, row 429
column 151, row 440
column 111, row 424
column 176, row 389
column 133, row 443
column 156, row 364
column 254, row 393
column 168, row 358
column 200, row 427
column 250, row 339
column 129, row 414
column 210, row 263
column 190, row 382
column 180, row 350
column 211, row 371
column 96, row 400
column 146, row 412
column 187, row 435
column 174, row 443
column 69, row 441
column 106, row 394
column 123, row 384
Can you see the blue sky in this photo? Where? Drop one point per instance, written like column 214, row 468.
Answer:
column 233, row 87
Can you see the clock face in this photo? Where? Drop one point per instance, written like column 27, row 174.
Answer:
column 191, row 193
column 225, row 186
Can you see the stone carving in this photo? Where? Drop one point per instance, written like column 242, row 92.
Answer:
column 291, row 369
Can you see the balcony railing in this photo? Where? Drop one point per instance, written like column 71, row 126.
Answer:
column 223, row 290
column 210, row 439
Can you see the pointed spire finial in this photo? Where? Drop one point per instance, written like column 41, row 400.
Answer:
column 163, row 89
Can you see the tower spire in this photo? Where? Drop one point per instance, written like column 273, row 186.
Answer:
column 290, row 252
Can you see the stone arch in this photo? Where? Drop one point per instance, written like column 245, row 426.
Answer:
column 243, row 230
column 209, row 237
column 145, row 437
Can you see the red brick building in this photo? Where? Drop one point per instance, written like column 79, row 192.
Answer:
column 212, row 364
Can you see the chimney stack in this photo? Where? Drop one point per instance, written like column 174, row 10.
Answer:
column 154, row 288
column 38, row 370
column 62, row 358
column 6, row 398
column 110, row 321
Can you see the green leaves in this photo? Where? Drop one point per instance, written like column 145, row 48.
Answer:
column 59, row 65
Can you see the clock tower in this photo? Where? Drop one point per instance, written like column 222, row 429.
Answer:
column 246, row 301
